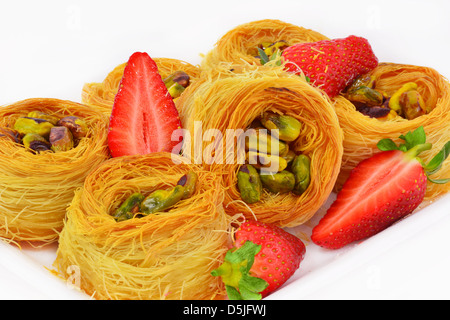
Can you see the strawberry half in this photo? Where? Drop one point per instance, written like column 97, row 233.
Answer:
column 143, row 116
column 331, row 64
column 379, row 191
column 263, row 258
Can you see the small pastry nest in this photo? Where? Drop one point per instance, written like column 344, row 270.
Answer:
column 168, row 255
column 37, row 188
column 232, row 102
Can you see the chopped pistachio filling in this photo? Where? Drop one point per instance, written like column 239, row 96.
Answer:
column 406, row 102
column 137, row 205
column 39, row 132
column 270, row 163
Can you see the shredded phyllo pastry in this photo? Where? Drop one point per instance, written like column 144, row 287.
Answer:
column 163, row 255
column 362, row 133
column 38, row 184
column 235, row 101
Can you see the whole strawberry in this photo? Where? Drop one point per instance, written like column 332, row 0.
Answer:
column 379, row 191
column 263, row 258
column 331, row 64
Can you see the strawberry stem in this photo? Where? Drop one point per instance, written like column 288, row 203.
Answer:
column 235, row 273
column 416, row 150
column 415, row 143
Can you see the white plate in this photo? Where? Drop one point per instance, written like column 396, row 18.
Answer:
column 50, row 48
column 323, row 274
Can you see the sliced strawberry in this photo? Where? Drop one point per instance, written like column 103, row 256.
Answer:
column 379, row 191
column 144, row 115
column 331, row 64
column 264, row 257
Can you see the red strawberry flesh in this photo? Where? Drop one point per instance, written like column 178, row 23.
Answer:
column 143, row 115
column 379, row 191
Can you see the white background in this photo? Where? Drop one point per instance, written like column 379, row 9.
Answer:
column 51, row 48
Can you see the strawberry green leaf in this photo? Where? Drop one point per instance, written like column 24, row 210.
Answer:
column 233, row 293
column 414, row 138
column 387, row 145
column 436, row 163
column 418, row 149
column 403, row 148
column 247, row 294
column 263, row 56
column 250, row 287
column 276, row 56
column 439, row 181
column 240, row 285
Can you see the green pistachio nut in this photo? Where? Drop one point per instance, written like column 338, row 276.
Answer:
column 289, row 127
column 281, row 182
column 61, row 139
column 301, row 167
column 26, row 125
column 161, row 200
column 188, row 181
column 365, row 95
column 76, row 125
column 44, row 116
column 271, row 48
column 249, row 184
column 175, row 90
column 412, row 104
column 363, row 80
column 36, row 142
column 265, row 44
column 394, row 101
column 266, row 162
column 176, row 83
column 179, row 77
column 261, row 141
column 289, row 157
column 129, row 207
